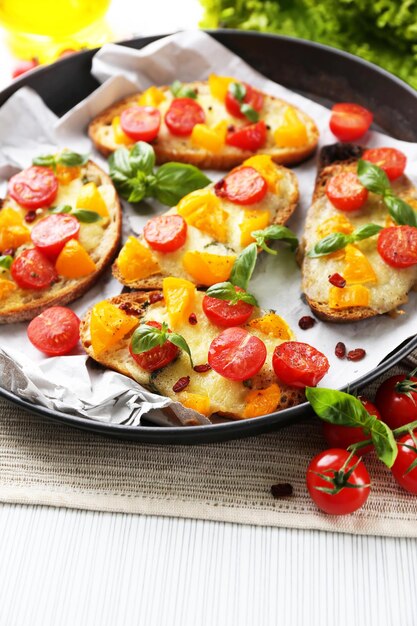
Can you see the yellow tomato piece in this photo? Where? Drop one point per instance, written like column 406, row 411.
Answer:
column 13, row 237
column 211, row 139
column 10, row 217
column 196, row 401
column 91, row 199
column 219, row 85
column 335, row 224
column 179, row 295
column 151, row 97
column 273, row 325
column 263, row 164
column 202, row 209
column 108, row 325
column 292, row 133
column 252, row 220
column 208, row 269
column 349, row 296
column 119, row 135
column 135, row 261
column 74, row 261
column 262, row 401
column 66, row 174
column 358, row 268
column 6, row 288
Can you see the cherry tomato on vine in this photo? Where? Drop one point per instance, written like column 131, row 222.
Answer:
column 396, row 400
column 299, row 364
column 346, row 192
column 223, row 313
column 391, row 160
column 157, row 357
column 404, row 469
column 251, row 137
column 140, row 123
column 349, row 121
column 55, row 331
column 344, row 436
column 397, row 245
column 166, row 233
column 244, row 185
column 182, row 115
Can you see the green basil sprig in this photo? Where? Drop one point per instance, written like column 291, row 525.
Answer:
column 82, row 215
column 147, row 337
column 276, row 232
column 226, row 291
column 238, row 91
column 337, row 241
column 243, row 267
column 66, row 158
column 133, row 174
column 179, row 90
column 6, row 261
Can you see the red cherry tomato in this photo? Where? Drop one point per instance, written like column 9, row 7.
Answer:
column 397, row 245
column 346, row 192
column 158, row 357
column 166, row 233
column 391, row 160
column 34, row 187
column 253, row 98
column 396, row 400
column 348, row 499
column 251, row 137
column 24, row 66
column 244, row 185
column 51, row 233
column 55, row 332
column 33, row 270
column 182, row 115
column 223, row 313
column 407, row 454
column 344, row 436
column 141, row 123
column 299, row 364
column 349, row 121
column 236, row 354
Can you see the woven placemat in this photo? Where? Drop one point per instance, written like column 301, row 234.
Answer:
column 46, row 463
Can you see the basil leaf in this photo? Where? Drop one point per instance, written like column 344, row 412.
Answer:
column 71, row 159
column 365, row 231
column 179, row 341
column 147, row 337
column 179, row 90
column 119, row 164
column 142, row 158
column 384, row 442
column 400, row 211
column 61, row 208
column 226, row 291
column 276, row 232
column 87, row 217
column 337, row 407
column 331, row 243
column 243, row 267
column 46, row 160
column 238, row 91
column 6, row 261
column 249, row 112
column 176, row 180
column 372, row 177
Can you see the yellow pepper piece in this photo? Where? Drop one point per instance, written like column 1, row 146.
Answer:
column 151, row 97
column 13, row 233
column 252, row 220
column 335, row 224
column 262, row 401
column 135, row 261
column 208, row 269
column 202, row 209
column 6, row 288
column 91, row 199
column 292, row 133
column 211, row 139
column 10, row 217
column 349, row 296
column 263, row 164
column 66, row 174
column 358, row 268
column 118, row 133
column 108, row 325
column 273, row 325
column 196, row 401
column 219, row 85
column 179, row 295
column 74, row 261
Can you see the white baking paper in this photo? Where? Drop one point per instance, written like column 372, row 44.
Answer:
column 72, row 384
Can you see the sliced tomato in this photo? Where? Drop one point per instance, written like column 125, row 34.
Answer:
column 251, row 137
column 253, row 98
column 182, row 115
column 223, row 313
column 158, row 357
column 141, row 123
column 166, row 233
column 346, row 192
column 33, row 270
column 350, row 121
column 299, row 364
column 344, row 436
column 236, row 354
column 34, row 187
column 391, row 160
column 397, row 245
column 51, row 233
column 55, row 332
column 244, row 185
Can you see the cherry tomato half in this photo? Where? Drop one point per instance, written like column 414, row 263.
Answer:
column 346, row 192
column 391, row 160
column 349, row 121
column 55, row 332
column 396, row 400
column 407, row 454
column 253, row 98
column 33, row 270
column 166, row 233
column 182, row 115
column 299, row 364
column 244, row 185
column 34, row 187
column 141, row 123
column 236, row 354
column 251, row 137
column 51, row 233
column 397, row 245
column 223, row 313
column 157, row 357
column 348, row 499
column 344, row 436
column 24, row 66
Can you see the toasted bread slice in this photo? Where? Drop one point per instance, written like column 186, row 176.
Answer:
column 100, row 239
column 218, row 394
column 278, row 205
column 169, row 147
column 391, row 288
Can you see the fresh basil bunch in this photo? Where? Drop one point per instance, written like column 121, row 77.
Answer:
column 66, row 158
column 238, row 91
column 337, row 241
column 82, row 215
column 147, row 337
column 133, row 174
